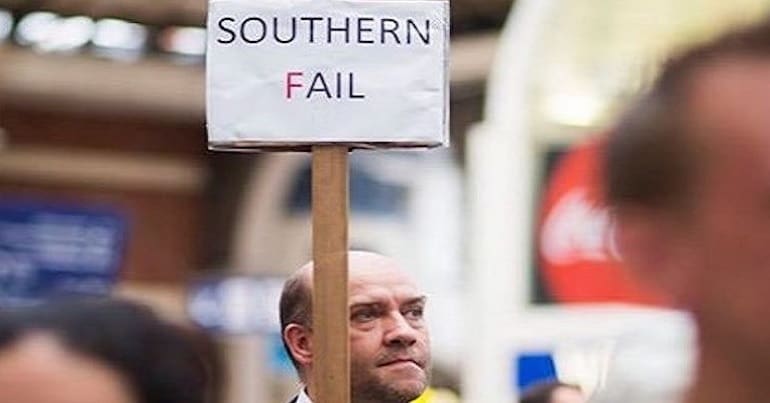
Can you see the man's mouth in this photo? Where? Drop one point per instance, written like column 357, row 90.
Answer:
column 401, row 361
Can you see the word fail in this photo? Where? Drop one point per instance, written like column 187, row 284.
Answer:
column 321, row 86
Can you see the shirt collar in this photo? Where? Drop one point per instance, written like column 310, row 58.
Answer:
column 303, row 397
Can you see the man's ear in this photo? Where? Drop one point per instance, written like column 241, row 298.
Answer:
column 299, row 340
column 655, row 246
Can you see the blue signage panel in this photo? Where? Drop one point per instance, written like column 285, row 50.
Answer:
column 236, row 304
column 50, row 250
column 533, row 368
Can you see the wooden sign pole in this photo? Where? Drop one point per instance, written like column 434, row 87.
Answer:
column 331, row 344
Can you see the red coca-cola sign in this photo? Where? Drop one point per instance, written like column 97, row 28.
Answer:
column 579, row 259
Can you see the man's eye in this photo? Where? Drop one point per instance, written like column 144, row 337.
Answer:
column 414, row 313
column 364, row 316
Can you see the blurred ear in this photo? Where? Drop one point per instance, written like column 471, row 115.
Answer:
column 656, row 247
column 299, row 340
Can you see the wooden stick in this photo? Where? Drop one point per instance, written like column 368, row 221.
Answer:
column 331, row 344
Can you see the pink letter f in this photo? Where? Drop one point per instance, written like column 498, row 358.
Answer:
column 290, row 84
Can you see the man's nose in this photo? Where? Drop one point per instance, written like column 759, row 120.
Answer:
column 400, row 332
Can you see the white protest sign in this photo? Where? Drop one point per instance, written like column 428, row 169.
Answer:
column 295, row 73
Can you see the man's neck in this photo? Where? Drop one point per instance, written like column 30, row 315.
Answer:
column 353, row 399
column 721, row 378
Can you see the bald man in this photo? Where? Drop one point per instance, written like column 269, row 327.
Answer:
column 389, row 342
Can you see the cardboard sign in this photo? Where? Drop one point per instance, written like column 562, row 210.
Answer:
column 289, row 74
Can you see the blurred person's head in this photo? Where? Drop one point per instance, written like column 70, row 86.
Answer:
column 688, row 178
column 553, row 392
column 97, row 351
column 389, row 343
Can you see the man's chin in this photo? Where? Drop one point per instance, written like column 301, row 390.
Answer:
column 411, row 388
column 403, row 382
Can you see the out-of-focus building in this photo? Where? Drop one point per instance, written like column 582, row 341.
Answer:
column 549, row 293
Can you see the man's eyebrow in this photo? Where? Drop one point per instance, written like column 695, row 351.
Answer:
column 372, row 304
column 416, row 300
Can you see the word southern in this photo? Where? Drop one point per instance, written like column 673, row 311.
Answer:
column 256, row 30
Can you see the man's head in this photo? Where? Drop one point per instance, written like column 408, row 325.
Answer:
column 97, row 351
column 389, row 343
column 688, row 177
column 553, row 392
column 42, row 360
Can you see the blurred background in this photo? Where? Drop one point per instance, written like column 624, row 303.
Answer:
column 106, row 187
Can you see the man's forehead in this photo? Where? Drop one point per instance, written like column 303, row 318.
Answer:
column 727, row 105
column 725, row 93
column 728, row 120
column 381, row 283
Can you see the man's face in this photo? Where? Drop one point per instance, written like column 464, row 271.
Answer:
column 38, row 369
column 389, row 342
column 729, row 229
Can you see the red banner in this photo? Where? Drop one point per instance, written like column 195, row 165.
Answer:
column 578, row 255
